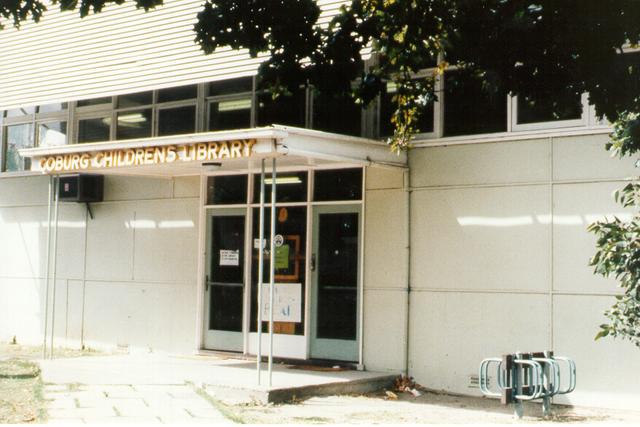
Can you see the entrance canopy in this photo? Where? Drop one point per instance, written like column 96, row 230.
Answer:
column 223, row 151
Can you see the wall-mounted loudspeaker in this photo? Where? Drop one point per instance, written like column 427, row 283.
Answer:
column 81, row 188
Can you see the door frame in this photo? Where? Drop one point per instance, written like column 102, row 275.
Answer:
column 238, row 338
column 312, row 339
column 205, row 209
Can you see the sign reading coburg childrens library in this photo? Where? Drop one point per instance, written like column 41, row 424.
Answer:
column 127, row 157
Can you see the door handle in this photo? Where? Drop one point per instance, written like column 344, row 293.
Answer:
column 313, row 262
column 206, row 283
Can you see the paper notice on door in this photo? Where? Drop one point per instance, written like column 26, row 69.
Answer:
column 287, row 302
column 229, row 257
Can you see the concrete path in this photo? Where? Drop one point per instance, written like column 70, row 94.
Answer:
column 135, row 403
column 156, row 388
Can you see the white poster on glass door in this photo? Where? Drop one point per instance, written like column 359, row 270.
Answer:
column 287, row 302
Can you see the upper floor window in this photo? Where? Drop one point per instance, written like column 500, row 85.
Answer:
column 388, row 107
column 17, row 137
column 337, row 114
column 52, row 133
column 469, row 109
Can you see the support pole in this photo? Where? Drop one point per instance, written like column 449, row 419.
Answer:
column 48, row 271
column 272, row 266
column 55, row 262
column 261, row 248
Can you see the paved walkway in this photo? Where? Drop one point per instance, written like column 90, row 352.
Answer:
column 154, row 388
column 148, row 404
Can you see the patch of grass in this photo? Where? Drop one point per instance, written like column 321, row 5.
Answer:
column 35, row 352
column 225, row 410
column 21, row 394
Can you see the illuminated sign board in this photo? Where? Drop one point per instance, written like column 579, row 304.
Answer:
column 153, row 155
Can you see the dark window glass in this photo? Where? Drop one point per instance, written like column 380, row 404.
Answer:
column 290, row 261
column 177, row 121
column 336, row 114
column 227, row 87
column 51, row 108
column 230, row 114
column 135, row 99
column 469, row 109
column 227, row 279
column 19, row 112
column 94, row 130
column 94, row 101
column 387, row 108
column 286, row 110
column 343, row 184
column 52, row 133
column 227, row 189
column 178, row 93
column 18, row 137
column 134, row 124
column 337, row 266
column 290, row 187
column 546, row 110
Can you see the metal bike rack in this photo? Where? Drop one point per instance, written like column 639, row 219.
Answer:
column 524, row 377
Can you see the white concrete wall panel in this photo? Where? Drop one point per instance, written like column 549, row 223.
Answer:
column 166, row 241
column 21, row 309
column 118, row 188
column 505, row 224
column 481, row 238
column 187, row 186
column 451, row 332
column 385, row 270
column 110, row 242
column 520, row 161
column 607, row 369
column 385, row 338
column 71, row 240
column 140, row 317
column 585, row 158
column 575, row 207
column 24, row 191
column 383, row 179
column 385, row 239
column 23, row 237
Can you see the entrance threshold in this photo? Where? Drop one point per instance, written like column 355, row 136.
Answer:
column 299, row 364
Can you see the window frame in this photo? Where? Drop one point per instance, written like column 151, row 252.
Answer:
column 514, row 126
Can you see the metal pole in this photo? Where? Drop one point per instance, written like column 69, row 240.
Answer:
column 272, row 266
column 47, row 275
column 261, row 248
column 55, row 262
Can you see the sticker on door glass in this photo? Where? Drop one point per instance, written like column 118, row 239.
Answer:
column 287, row 302
column 229, row 257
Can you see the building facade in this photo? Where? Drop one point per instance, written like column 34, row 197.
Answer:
column 473, row 244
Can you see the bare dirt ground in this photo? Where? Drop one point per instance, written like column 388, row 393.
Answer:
column 432, row 408
column 20, row 392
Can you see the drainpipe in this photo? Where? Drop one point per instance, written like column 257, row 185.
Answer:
column 407, row 190
column 48, row 271
column 55, row 261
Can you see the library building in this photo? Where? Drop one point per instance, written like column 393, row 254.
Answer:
column 152, row 199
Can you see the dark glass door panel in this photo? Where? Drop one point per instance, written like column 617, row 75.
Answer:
column 226, row 273
column 337, row 276
column 290, row 262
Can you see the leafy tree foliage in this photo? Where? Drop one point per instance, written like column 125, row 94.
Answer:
column 618, row 241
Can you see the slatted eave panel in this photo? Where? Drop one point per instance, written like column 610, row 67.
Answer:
column 120, row 50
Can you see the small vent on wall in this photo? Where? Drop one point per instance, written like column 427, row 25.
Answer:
column 473, row 382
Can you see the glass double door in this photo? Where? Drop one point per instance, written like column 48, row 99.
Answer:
column 331, row 272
